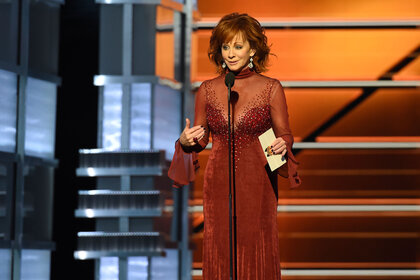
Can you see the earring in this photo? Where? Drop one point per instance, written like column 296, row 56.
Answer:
column 250, row 65
column 223, row 65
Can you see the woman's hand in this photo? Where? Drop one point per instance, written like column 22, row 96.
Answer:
column 191, row 136
column 278, row 147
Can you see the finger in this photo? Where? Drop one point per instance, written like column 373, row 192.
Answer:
column 187, row 123
column 284, row 153
column 201, row 135
column 279, row 147
column 196, row 133
column 197, row 137
column 195, row 128
column 279, row 150
column 277, row 141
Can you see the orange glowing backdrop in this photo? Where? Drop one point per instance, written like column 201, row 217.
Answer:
column 354, row 177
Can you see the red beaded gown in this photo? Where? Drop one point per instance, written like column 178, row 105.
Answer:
column 258, row 104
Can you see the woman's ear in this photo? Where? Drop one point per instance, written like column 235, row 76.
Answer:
column 252, row 52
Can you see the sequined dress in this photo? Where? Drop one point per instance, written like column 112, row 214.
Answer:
column 258, row 104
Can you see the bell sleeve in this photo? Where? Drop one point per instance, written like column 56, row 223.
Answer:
column 185, row 163
column 280, row 123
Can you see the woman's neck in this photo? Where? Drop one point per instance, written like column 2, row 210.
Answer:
column 243, row 72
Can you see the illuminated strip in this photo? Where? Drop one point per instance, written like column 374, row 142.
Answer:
column 351, row 145
column 101, row 80
column 314, row 23
column 333, row 208
column 356, row 145
column 359, row 172
column 342, row 84
column 339, row 272
column 351, row 272
column 354, row 84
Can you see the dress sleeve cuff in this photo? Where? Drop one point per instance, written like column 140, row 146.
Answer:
column 289, row 169
column 183, row 167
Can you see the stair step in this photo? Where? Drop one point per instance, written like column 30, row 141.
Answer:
column 97, row 244
column 102, row 162
column 109, row 203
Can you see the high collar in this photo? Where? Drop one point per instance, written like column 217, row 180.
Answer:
column 245, row 73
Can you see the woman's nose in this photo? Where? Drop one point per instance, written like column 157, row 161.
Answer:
column 230, row 54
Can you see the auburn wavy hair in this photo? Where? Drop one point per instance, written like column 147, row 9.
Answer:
column 251, row 31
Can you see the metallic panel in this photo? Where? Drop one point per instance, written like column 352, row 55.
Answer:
column 40, row 118
column 9, row 31
column 110, row 39
column 140, row 131
column 45, row 77
column 144, row 40
column 166, row 114
column 5, row 263
column 35, row 264
column 38, row 205
column 127, row 39
column 164, row 268
column 8, row 111
column 44, row 36
column 111, row 121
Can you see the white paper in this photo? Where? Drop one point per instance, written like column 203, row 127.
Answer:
column 266, row 139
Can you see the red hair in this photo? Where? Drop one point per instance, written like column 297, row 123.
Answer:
column 251, row 31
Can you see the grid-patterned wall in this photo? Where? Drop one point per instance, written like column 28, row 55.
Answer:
column 29, row 34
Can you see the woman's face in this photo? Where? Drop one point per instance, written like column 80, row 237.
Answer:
column 236, row 53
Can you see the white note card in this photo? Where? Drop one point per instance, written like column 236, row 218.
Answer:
column 266, row 139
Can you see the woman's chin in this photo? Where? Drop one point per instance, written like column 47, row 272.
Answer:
column 236, row 68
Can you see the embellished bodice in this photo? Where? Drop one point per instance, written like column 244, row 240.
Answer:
column 250, row 109
column 258, row 103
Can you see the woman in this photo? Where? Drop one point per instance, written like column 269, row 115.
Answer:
column 238, row 45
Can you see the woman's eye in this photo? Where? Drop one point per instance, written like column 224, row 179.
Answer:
column 225, row 47
column 238, row 47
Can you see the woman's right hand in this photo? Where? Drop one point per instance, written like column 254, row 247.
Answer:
column 191, row 136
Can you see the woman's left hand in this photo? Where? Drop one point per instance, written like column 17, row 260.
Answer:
column 278, row 147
